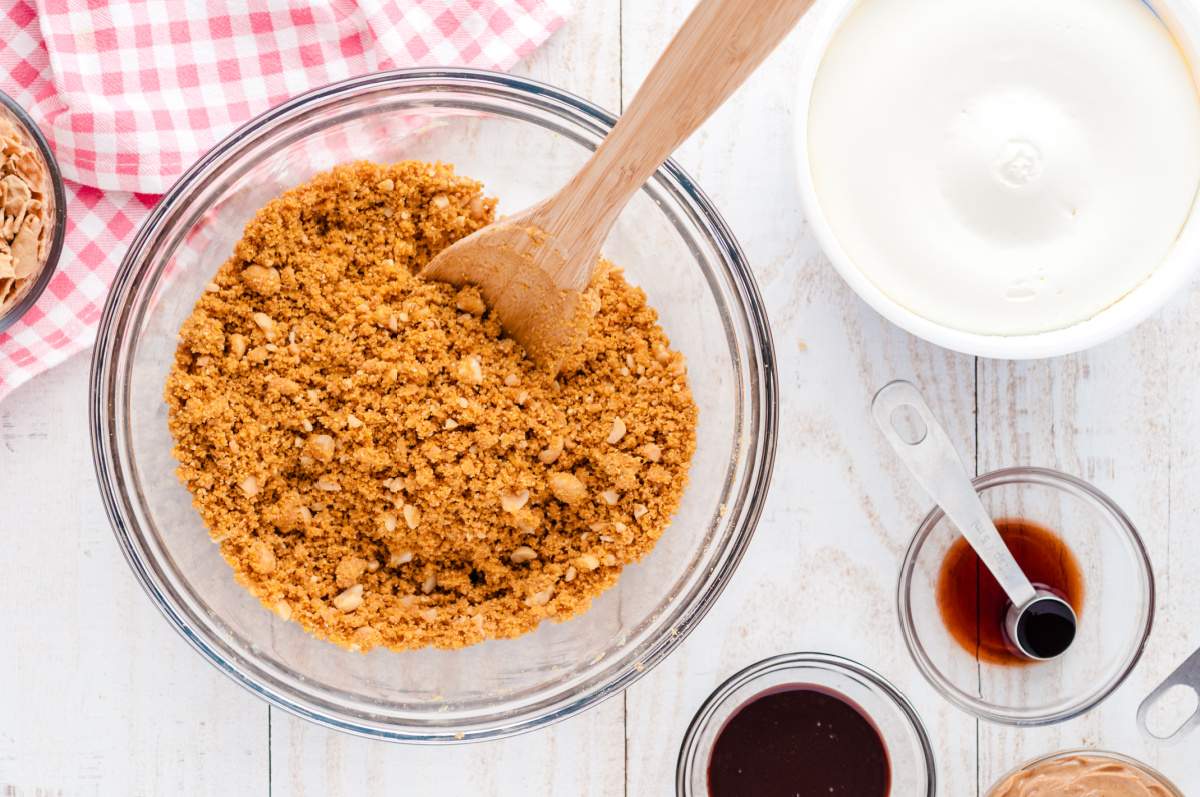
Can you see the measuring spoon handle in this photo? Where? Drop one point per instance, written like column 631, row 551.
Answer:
column 1187, row 674
column 930, row 456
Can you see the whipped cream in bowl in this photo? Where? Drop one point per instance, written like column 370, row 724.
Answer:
column 1009, row 179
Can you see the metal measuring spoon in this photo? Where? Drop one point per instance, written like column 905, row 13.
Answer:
column 1187, row 674
column 1040, row 624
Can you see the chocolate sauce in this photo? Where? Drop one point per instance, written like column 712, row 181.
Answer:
column 799, row 741
column 974, row 607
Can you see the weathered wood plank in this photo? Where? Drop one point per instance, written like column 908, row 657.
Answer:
column 821, row 572
column 100, row 696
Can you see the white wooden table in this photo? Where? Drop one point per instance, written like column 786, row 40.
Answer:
column 99, row 696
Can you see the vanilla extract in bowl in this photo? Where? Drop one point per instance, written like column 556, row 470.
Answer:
column 973, row 605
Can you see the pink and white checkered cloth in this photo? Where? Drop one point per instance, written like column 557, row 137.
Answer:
column 130, row 92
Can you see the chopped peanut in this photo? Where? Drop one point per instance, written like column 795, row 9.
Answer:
column 522, row 554
column 261, row 280
column 512, row 500
column 566, row 487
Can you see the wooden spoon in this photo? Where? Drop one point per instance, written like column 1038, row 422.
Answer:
column 532, row 267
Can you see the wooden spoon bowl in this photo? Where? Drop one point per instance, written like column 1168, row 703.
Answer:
column 533, row 267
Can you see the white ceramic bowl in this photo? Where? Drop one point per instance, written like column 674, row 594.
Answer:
column 1182, row 17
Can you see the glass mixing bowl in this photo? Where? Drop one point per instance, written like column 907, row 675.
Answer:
column 523, row 140
column 909, row 752
column 1114, row 624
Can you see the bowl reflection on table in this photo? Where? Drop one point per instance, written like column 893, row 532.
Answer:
column 523, row 140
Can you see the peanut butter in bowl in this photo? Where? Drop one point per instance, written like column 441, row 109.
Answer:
column 1084, row 774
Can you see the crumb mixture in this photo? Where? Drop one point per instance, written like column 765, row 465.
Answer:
column 378, row 462
column 24, row 194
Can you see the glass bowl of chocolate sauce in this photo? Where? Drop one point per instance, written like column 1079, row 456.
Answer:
column 806, row 725
column 1069, row 538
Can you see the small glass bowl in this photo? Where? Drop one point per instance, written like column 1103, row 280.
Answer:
column 54, row 197
column 1149, row 772
column 909, row 751
column 1114, row 624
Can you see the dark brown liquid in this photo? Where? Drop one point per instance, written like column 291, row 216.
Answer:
column 799, row 741
column 973, row 605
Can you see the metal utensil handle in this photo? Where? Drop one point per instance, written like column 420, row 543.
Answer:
column 932, row 460
column 1187, row 674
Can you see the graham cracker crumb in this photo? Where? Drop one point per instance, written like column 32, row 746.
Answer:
column 378, row 462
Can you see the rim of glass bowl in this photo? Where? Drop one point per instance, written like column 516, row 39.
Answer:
column 703, row 719
column 1080, row 489
column 745, row 321
column 1083, row 751
column 46, row 271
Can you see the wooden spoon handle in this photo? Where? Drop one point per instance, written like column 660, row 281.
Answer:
column 717, row 48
